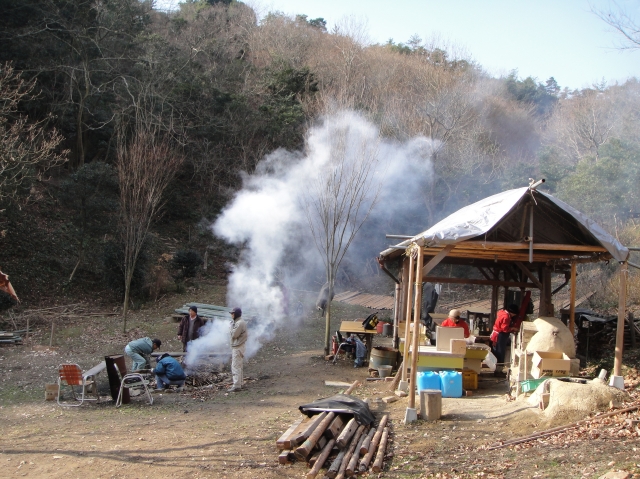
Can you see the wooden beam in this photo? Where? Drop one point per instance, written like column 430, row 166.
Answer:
column 529, row 274
column 435, row 260
column 483, row 272
column 506, row 255
column 572, row 305
column 503, row 245
column 622, row 306
column 483, row 282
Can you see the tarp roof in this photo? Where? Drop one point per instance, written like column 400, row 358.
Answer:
column 504, row 218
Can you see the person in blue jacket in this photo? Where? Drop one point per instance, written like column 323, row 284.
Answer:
column 168, row 372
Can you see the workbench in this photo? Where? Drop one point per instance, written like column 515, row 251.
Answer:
column 365, row 335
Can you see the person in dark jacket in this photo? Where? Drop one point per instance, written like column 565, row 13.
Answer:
column 189, row 327
column 168, row 372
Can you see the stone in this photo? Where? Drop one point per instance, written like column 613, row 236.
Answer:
column 616, row 475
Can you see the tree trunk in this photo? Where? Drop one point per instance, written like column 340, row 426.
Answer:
column 127, row 289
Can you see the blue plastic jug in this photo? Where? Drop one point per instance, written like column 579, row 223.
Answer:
column 428, row 380
column 451, row 384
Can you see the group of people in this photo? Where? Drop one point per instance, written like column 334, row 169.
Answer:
column 504, row 325
column 168, row 370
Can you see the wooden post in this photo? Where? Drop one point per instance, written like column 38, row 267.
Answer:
column 352, row 467
column 572, row 301
column 51, row 338
column 310, row 426
column 303, row 451
column 431, row 404
column 407, row 321
column 321, row 460
column 397, row 308
column 377, row 464
column 364, row 464
column 416, row 330
column 348, row 431
column 335, row 428
column 347, row 457
column 364, row 447
column 352, row 387
column 622, row 306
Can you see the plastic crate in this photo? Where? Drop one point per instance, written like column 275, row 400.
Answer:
column 469, row 379
column 531, row 384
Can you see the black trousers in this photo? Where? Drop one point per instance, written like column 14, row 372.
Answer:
column 500, row 347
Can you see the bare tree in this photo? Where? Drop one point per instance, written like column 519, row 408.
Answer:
column 340, row 199
column 146, row 162
column 623, row 22
column 27, row 150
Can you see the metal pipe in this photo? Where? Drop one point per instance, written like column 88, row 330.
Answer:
column 533, row 186
column 399, row 236
column 637, row 266
column 633, row 248
column 396, row 247
column 389, row 273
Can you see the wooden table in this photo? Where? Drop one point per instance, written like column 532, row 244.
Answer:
column 366, row 335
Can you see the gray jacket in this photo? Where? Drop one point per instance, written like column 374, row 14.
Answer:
column 238, row 332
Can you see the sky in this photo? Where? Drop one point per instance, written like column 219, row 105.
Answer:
column 539, row 38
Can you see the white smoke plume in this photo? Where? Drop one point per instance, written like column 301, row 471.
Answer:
column 267, row 219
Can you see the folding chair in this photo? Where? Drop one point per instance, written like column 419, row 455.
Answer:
column 71, row 375
column 133, row 381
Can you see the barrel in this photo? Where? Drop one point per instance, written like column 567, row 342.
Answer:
column 428, row 380
column 451, row 384
column 383, row 357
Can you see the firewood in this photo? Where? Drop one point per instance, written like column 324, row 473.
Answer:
column 335, row 428
column 301, row 436
column 347, row 432
column 282, row 442
column 321, row 443
column 377, row 464
column 319, row 462
column 364, row 464
column 303, row 451
column 364, row 448
column 352, row 467
column 347, row 457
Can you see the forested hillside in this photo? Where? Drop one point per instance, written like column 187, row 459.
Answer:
column 200, row 95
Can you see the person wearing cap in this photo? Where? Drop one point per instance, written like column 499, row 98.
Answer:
column 238, row 344
column 455, row 321
column 139, row 351
column 502, row 328
column 189, row 327
column 168, row 372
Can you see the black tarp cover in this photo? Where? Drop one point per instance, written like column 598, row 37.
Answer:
column 341, row 404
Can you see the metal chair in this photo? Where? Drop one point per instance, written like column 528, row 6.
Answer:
column 134, row 381
column 71, row 375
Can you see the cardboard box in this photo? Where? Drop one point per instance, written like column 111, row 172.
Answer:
column 458, row 346
column 548, row 364
column 445, row 335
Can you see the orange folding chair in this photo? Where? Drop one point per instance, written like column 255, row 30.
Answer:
column 71, row 375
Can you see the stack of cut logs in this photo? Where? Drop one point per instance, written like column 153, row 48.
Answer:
column 337, row 441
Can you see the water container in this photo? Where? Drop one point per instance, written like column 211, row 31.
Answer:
column 451, row 384
column 428, row 380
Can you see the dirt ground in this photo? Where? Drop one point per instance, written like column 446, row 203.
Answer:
column 214, row 434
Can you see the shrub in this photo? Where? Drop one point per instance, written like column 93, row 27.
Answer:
column 186, row 263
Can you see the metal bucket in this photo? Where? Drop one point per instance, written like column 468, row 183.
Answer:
column 383, row 357
column 387, row 329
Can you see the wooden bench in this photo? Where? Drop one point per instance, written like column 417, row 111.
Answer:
column 90, row 377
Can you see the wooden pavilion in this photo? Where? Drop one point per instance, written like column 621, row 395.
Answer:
column 516, row 239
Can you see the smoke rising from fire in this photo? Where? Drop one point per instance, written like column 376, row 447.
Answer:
column 267, row 220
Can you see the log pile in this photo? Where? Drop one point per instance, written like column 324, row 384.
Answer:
column 335, row 442
column 12, row 337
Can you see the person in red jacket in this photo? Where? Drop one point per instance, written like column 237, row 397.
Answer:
column 454, row 321
column 502, row 328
